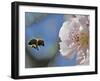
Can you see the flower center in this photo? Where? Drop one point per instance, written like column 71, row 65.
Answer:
column 81, row 39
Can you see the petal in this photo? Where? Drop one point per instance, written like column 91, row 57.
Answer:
column 66, row 51
column 82, row 57
column 64, row 31
column 68, row 28
column 84, row 20
column 82, row 60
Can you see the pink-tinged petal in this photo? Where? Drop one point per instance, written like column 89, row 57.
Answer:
column 64, row 31
column 82, row 57
column 86, row 62
column 66, row 51
column 69, row 53
column 84, row 21
column 82, row 60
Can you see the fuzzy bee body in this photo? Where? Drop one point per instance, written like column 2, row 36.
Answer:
column 35, row 43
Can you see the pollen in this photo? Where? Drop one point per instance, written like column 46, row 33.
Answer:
column 81, row 39
column 84, row 39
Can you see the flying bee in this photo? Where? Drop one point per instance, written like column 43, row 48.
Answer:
column 35, row 43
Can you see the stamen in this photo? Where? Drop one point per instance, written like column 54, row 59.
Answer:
column 81, row 39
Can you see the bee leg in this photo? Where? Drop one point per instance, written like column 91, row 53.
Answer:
column 34, row 45
column 37, row 48
column 43, row 44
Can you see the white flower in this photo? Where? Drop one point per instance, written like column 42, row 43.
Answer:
column 74, row 36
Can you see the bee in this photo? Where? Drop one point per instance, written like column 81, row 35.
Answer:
column 35, row 43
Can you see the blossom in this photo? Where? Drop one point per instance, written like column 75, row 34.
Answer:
column 74, row 36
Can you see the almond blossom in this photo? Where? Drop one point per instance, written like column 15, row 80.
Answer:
column 74, row 36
